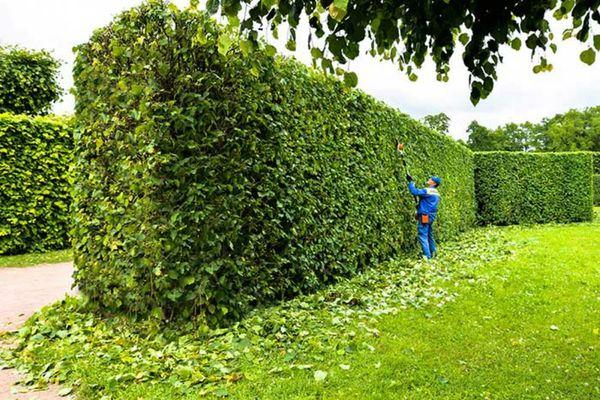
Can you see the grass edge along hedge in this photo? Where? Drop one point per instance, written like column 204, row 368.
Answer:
column 208, row 183
column 35, row 192
column 526, row 188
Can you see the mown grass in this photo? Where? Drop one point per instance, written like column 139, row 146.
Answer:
column 530, row 331
column 524, row 326
column 28, row 260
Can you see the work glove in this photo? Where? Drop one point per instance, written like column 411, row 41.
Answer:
column 409, row 178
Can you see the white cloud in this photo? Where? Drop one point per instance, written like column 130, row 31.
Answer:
column 519, row 95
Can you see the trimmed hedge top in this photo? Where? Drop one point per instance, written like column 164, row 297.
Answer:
column 35, row 154
column 518, row 188
column 208, row 182
column 28, row 81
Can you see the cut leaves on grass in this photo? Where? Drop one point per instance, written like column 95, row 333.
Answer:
column 70, row 344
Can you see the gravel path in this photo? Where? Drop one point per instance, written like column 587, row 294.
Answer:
column 22, row 292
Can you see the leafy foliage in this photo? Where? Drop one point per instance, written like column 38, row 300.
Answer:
column 509, row 137
column 35, row 153
column 28, row 81
column 406, row 32
column 64, row 340
column 438, row 122
column 520, row 188
column 575, row 130
column 208, row 182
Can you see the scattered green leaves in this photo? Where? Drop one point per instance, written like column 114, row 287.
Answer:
column 60, row 343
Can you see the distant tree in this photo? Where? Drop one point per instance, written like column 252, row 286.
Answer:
column 438, row 122
column 481, row 138
column 520, row 137
column 574, row 130
column 28, row 81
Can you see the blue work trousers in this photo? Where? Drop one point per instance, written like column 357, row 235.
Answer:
column 426, row 239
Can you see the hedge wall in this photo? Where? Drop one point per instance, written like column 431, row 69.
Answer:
column 208, row 183
column 597, row 189
column 28, row 81
column 35, row 153
column 596, row 157
column 517, row 188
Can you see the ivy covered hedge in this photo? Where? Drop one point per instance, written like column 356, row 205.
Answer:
column 28, row 81
column 35, row 153
column 518, row 187
column 209, row 182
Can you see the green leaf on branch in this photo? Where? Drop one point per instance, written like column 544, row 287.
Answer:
column 588, row 56
column 246, row 46
column 291, row 45
column 268, row 4
column 338, row 9
column 224, row 44
column 270, row 50
column 316, row 53
column 597, row 42
column 516, row 44
column 350, row 79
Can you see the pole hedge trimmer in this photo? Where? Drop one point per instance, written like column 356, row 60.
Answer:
column 400, row 149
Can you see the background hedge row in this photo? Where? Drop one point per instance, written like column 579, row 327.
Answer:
column 28, row 81
column 35, row 154
column 208, row 182
column 517, row 188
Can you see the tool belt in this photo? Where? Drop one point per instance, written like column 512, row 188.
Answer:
column 422, row 218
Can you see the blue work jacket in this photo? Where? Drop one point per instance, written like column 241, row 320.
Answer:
column 429, row 200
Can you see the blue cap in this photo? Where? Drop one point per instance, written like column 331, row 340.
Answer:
column 437, row 180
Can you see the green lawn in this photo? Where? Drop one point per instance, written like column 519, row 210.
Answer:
column 530, row 331
column 27, row 260
column 507, row 313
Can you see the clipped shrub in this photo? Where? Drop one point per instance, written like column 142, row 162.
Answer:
column 35, row 153
column 519, row 188
column 597, row 189
column 28, row 81
column 209, row 182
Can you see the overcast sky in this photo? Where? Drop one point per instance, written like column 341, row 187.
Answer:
column 519, row 95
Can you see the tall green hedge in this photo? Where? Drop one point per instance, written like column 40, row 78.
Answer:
column 517, row 187
column 28, row 81
column 597, row 189
column 35, row 153
column 208, row 182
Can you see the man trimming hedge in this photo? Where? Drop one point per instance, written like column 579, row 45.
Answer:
column 429, row 200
